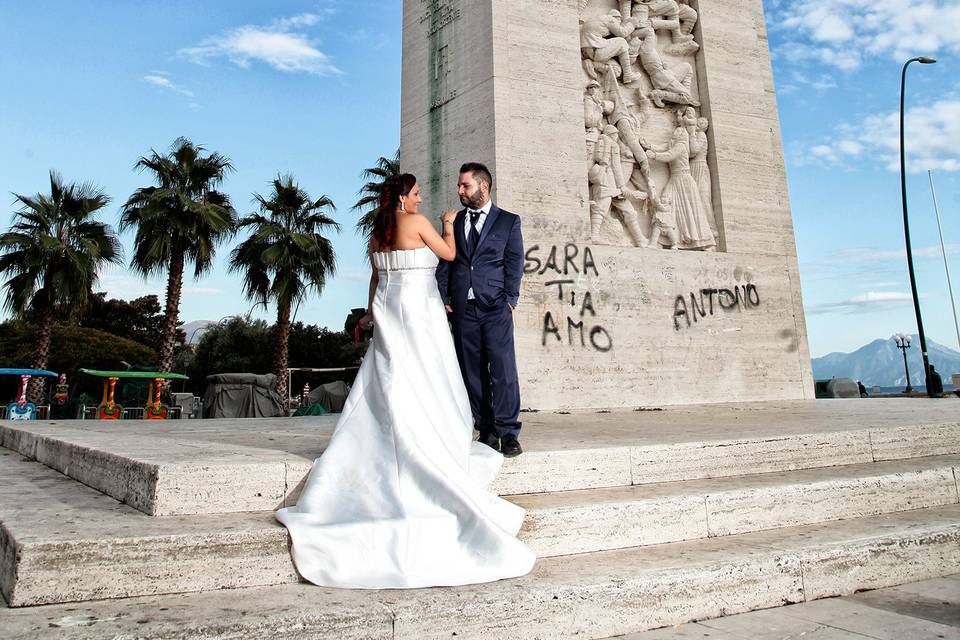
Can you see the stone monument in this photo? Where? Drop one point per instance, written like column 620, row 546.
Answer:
column 640, row 143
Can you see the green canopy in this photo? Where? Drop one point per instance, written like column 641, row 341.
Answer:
column 140, row 375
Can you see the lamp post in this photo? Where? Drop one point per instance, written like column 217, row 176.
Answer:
column 903, row 343
column 906, row 228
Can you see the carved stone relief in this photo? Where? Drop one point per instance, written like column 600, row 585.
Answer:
column 646, row 143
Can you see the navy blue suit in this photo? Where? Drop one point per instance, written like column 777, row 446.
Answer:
column 483, row 327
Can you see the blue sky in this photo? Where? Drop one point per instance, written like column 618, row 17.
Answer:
column 313, row 88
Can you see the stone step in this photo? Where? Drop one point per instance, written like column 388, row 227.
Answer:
column 222, row 466
column 586, row 596
column 603, row 519
column 158, row 473
column 62, row 541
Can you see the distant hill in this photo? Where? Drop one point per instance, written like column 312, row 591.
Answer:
column 881, row 363
column 195, row 330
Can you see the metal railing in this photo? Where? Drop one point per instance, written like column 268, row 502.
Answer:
column 132, row 413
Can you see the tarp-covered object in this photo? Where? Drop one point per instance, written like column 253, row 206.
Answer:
column 837, row 388
column 331, row 396
column 242, row 395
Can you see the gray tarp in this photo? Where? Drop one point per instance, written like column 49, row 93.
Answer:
column 842, row 388
column 330, row 396
column 242, row 395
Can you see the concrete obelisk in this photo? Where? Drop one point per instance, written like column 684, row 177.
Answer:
column 649, row 281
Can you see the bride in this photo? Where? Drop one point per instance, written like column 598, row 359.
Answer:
column 398, row 498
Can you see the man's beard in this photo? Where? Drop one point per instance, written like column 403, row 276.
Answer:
column 473, row 203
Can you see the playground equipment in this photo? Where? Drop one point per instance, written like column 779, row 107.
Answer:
column 108, row 409
column 20, row 409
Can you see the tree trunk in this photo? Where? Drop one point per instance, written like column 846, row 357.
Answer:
column 168, row 332
column 280, row 354
column 41, row 353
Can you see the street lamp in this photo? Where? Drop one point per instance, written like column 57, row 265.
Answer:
column 906, row 230
column 903, row 343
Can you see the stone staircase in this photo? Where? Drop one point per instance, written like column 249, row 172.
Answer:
column 649, row 520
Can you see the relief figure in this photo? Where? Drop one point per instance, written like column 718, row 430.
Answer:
column 604, row 38
column 682, row 190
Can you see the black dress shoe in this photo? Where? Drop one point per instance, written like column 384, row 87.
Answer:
column 510, row 446
column 491, row 440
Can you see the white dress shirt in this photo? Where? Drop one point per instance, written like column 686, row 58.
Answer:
column 468, row 226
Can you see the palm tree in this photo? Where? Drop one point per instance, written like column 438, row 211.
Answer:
column 370, row 193
column 181, row 219
column 285, row 256
column 51, row 256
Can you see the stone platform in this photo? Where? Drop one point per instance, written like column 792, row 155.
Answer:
column 641, row 519
column 222, row 466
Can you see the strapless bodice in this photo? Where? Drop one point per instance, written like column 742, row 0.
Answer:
column 405, row 259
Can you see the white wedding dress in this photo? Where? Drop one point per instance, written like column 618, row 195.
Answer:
column 398, row 499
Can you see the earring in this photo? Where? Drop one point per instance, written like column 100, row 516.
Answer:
column 403, row 207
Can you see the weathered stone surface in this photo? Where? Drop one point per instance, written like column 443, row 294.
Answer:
column 210, row 466
column 587, row 596
column 62, row 541
column 564, row 470
column 720, row 458
column 915, row 440
column 161, row 476
column 604, row 594
column 584, row 521
column 886, row 562
column 869, row 553
column 806, row 497
column 601, row 519
column 292, row 612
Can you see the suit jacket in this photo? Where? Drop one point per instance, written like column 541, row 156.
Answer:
column 493, row 271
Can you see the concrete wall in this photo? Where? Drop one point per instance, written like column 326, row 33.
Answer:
column 500, row 81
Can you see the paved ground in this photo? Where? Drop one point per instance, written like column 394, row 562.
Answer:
column 929, row 609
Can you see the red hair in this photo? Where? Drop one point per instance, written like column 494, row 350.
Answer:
column 385, row 220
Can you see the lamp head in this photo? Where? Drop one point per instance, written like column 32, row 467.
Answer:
column 926, row 60
column 898, row 339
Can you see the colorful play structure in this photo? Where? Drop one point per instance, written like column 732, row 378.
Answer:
column 108, row 409
column 20, row 409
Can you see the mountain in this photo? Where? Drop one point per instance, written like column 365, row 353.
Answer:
column 195, row 330
column 881, row 363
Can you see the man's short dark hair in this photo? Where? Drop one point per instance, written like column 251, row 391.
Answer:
column 479, row 171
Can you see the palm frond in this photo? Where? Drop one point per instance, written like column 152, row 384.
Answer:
column 55, row 247
column 383, row 169
column 285, row 255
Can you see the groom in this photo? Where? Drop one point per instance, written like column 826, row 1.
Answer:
column 481, row 288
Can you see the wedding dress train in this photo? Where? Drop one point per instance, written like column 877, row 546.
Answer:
column 398, row 498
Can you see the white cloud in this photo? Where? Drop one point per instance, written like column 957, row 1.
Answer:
column 869, row 254
column 867, row 302
column 300, row 21
column 932, row 137
column 844, row 33
column 798, row 80
column 125, row 286
column 281, row 45
column 160, row 79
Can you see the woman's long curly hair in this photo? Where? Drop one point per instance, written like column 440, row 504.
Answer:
column 385, row 220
